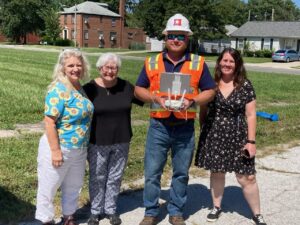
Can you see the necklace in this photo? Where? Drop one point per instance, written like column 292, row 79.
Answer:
column 107, row 91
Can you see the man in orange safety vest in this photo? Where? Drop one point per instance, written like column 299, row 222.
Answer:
column 174, row 82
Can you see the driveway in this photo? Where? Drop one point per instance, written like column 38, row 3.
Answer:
column 270, row 67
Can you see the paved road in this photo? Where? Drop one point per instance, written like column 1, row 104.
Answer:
column 279, row 180
column 271, row 67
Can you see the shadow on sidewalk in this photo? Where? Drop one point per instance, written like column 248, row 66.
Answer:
column 198, row 198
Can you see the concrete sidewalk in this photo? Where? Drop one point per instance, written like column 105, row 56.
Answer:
column 279, row 180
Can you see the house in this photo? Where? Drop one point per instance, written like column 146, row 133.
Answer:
column 217, row 46
column 269, row 35
column 154, row 45
column 30, row 38
column 92, row 24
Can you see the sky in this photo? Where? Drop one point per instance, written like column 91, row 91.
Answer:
column 297, row 3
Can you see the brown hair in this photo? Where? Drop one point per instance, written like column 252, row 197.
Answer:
column 239, row 74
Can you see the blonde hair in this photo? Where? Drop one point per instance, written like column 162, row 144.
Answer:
column 59, row 73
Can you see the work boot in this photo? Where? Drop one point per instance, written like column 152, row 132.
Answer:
column 149, row 220
column 176, row 220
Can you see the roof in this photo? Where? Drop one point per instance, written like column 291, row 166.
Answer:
column 230, row 28
column 93, row 8
column 283, row 29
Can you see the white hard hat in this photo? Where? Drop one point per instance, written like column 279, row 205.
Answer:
column 178, row 23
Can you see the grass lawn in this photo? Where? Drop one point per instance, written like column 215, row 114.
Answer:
column 24, row 77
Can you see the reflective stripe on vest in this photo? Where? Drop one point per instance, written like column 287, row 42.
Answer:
column 155, row 66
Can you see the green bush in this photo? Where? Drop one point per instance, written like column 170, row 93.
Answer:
column 137, row 46
column 59, row 41
column 248, row 53
column 265, row 53
column 64, row 42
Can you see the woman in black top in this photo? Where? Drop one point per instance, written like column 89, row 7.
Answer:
column 110, row 137
column 228, row 127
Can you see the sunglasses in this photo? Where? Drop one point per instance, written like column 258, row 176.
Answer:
column 179, row 37
column 245, row 153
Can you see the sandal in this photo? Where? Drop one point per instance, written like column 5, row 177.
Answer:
column 69, row 220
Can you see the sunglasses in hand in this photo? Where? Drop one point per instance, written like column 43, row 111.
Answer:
column 245, row 153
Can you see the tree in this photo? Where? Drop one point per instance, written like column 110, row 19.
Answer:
column 261, row 10
column 52, row 25
column 233, row 12
column 205, row 20
column 20, row 17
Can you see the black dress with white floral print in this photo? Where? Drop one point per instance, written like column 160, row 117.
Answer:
column 224, row 133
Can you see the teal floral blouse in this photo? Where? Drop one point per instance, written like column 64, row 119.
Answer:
column 73, row 112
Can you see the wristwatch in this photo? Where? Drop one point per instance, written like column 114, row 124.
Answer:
column 251, row 141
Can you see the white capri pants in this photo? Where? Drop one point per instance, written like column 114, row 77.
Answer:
column 69, row 177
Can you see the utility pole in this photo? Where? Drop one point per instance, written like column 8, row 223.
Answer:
column 249, row 15
column 273, row 14
column 122, row 14
column 265, row 16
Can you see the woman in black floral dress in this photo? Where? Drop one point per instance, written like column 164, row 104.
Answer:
column 228, row 126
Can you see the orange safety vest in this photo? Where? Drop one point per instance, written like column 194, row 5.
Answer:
column 155, row 66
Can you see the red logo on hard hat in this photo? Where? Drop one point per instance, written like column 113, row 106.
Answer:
column 177, row 22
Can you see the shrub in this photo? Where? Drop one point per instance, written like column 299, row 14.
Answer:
column 64, row 42
column 137, row 46
column 248, row 53
column 265, row 53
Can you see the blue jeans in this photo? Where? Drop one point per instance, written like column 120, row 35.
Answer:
column 161, row 138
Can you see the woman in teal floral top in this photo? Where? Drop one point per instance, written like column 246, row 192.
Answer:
column 63, row 148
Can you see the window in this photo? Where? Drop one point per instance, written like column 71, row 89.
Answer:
column 113, row 36
column 65, row 19
column 73, row 34
column 241, row 43
column 101, row 35
column 86, row 20
column 113, row 22
column 86, row 35
column 130, row 35
column 101, row 17
column 267, row 43
column 73, row 19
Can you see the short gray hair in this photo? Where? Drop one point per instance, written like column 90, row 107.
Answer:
column 104, row 58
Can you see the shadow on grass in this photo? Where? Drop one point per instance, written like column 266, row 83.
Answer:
column 12, row 209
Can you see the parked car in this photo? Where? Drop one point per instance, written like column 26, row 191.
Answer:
column 285, row 55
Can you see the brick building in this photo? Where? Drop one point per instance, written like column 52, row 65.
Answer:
column 92, row 24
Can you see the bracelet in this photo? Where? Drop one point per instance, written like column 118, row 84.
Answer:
column 251, row 141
